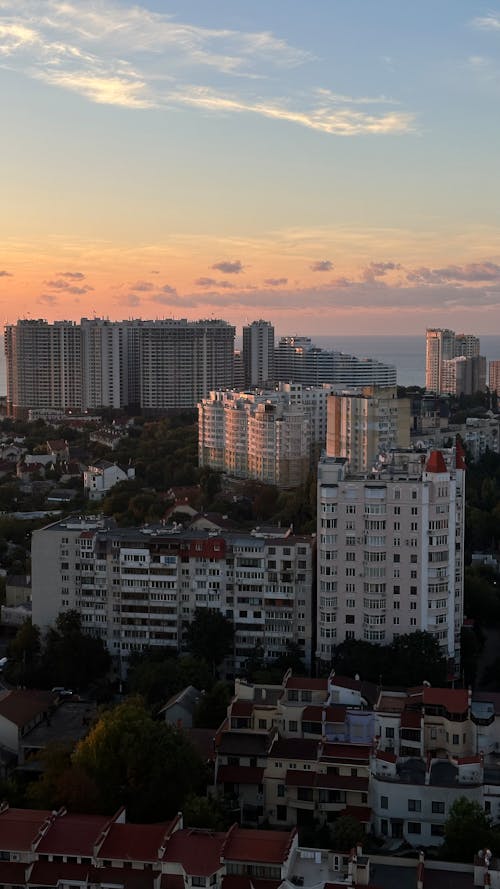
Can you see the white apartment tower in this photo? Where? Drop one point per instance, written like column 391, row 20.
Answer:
column 362, row 424
column 390, row 550
column 258, row 353
column 181, row 361
column 440, row 346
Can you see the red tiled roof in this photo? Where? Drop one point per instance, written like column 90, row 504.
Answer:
column 263, row 846
column 136, row 842
column 459, row 454
column 299, row 778
column 242, row 708
column 239, row 775
column 49, row 873
column 198, row 851
column 342, row 782
column 386, row 756
column 347, row 752
column 295, row 748
column 314, row 712
column 12, row 873
column 454, row 700
column 347, row 682
column 435, row 463
column 19, row 828
column 21, row 706
column 129, row 878
column 362, row 813
column 73, row 835
column 468, row 760
column 307, row 683
column 411, row 719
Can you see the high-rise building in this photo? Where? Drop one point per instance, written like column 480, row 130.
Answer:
column 453, row 364
column 139, row 587
column 494, row 377
column 43, row 365
column 297, row 360
column 182, row 361
column 361, row 425
column 258, row 353
column 390, row 550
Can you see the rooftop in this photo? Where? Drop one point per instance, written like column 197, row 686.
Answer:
column 21, row 706
column 198, row 851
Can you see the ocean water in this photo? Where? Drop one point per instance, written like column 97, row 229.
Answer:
column 407, row 353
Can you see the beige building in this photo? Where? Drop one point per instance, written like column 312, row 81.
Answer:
column 390, row 550
column 453, row 364
column 494, row 377
column 361, row 425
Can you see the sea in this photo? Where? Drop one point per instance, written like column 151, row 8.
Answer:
column 407, row 353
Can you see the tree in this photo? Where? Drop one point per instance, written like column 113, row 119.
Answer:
column 467, row 829
column 415, row 657
column 210, row 636
column 202, row 811
column 62, row 784
column 24, row 652
column 346, row 833
column 70, row 656
column 158, row 674
column 212, row 709
column 135, row 761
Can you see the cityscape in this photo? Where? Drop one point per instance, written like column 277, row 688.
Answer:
column 249, row 446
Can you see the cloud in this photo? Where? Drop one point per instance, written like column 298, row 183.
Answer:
column 131, row 299
column 142, row 286
column 489, row 22
column 321, row 265
column 378, row 270
column 134, row 57
column 48, row 298
column 229, row 268
column 168, row 289
column 75, row 276
column 211, row 282
column 471, row 272
column 275, row 282
column 66, row 287
column 4, row 274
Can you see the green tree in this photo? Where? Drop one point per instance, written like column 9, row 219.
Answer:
column 346, row 833
column 135, row 761
column 212, row 709
column 70, row 656
column 210, row 636
column 207, row 812
column 467, row 829
column 158, row 674
column 62, row 784
column 24, row 652
column 415, row 657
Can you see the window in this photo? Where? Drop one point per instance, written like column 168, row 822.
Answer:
column 292, row 725
column 414, row 805
column 437, row 807
column 349, row 618
column 396, row 557
column 384, row 827
column 456, row 739
column 437, row 830
column 384, row 802
column 198, row 881
column 262, row 723
column 414, row 827
column 281, row 790
column 281, row 813
column 389, row 732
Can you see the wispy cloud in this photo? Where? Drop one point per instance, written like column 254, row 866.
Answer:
column 65, row 286
column 232, row 267
column 4, row 274
column 472, row 272
column 211, row 282
column 321, row 265
column 75, row 276
column 275, row 282
column 134, row 57
column 490, row 22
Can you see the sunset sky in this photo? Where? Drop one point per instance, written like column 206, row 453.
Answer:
column 332, row 166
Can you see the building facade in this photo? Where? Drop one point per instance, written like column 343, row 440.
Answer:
column 140, row 587
column 390, row 550
column 297, row 360
column 258, row 353
column 453, row 364
column 361, row 425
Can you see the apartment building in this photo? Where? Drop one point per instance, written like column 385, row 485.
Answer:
column 453, row 364
column 140, row 587
column 258, row 353
column 182, row 361
column 390, row 549
column 97, row 363
column 494, row 377
column 363, row 424
column 296, row 359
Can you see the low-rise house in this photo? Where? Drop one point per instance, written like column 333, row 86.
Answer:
column 99, row 478
column 17, row 589
column 179, row 709
column 20, row 711
column 58, row 448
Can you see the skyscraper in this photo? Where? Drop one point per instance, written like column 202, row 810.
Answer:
column 440, row 346
column 258, row 353
column 453, row 363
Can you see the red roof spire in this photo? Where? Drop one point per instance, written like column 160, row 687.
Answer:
column 459, row 455
column 436, row 463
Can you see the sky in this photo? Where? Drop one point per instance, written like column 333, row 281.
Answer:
column 331, row 166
